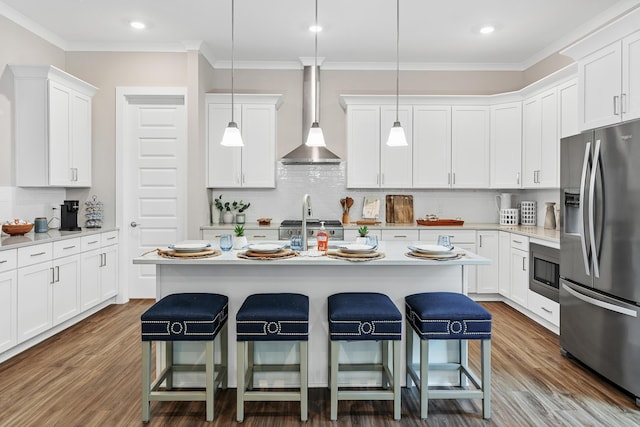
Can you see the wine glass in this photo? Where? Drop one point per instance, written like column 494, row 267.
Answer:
column 226, row 242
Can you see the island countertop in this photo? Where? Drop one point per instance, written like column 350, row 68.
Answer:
column 394, row 254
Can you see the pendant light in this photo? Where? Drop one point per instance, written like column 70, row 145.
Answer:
column 232, row 136
column 315, row 137
column 397, row 137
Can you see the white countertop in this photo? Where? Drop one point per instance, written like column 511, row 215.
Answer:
column 394, row 255
column 31, row 238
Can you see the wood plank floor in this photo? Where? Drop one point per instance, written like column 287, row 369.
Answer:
column 89, row 375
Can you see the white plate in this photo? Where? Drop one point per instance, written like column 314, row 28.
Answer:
column 195, row 246
column 357, row 249
column 265, row 248
column 431, row 249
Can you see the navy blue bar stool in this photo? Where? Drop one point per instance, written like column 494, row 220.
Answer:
column 272, row 317
column 184, row 317
column 448, row 316
column 365, row 316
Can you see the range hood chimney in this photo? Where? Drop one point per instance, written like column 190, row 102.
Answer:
column 304, row 155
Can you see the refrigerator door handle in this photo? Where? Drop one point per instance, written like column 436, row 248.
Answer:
column 599, row 303
column 592, row 204
column 583, row 182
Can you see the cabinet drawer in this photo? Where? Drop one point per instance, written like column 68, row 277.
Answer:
column 519, row 242
column 400, row 234
column 109, row 238
column 34, row 254
column 66, row 247
column 91, row 242
column 457, row 236
column 8, row 260
column 261, row 234
column 544, row 307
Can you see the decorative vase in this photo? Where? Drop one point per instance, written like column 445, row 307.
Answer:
column 227, row 218
column 361, row 240
column 215, row 214
column 240, row 218
column 239, row 242
column 550, row 216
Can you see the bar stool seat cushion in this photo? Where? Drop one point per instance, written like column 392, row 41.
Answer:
column 447, row 315
column 185, row 317
column 273, row 317
column 361, row 316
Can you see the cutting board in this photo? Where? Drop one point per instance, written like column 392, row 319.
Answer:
column 399, row 209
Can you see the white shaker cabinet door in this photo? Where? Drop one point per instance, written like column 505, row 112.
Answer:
column 224, row 164
column 34, row 300
column 109, row 272
column 504, row 263
column 363, row 146
column 60, row 133
column 259, row 151
column 8, row 301
column 519, row 276
column 488, row 275
column 90, row 279
column 470, row 144
column 65, row 290
column 631, row 76
column 396, row 163
column 506, row 145
column 431, row 146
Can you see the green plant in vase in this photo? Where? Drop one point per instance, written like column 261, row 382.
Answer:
column 240, row 240
column 362, row 231
column 241, row 207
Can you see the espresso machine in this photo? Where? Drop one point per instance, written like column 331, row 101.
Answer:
column 69, row 215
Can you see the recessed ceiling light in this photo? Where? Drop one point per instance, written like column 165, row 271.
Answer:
column 138, row 25
column 315, row 28
column 487, row 29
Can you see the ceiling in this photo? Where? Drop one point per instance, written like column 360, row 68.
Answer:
column 357, row 34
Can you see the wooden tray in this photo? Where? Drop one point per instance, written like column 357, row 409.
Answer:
column 440, row 222
column 367, row 222
column 170, row 253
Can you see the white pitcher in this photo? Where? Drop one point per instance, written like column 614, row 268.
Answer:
column 503, row 201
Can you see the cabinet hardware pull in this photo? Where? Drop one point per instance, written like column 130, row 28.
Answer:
column 454, row 178
column 403, row 236
column 517, row 241
column 523, row 264
column 546, row 310
column 69, row 247
column 623, row 103
column 38, row 254
column 53, row 275
column 480, row 241
column 111, row 238
column 615, row 105
column 3, row 261
column 93, row 242
column 382, row 179
column 258, row 236
column 449, row 178
column 518, row 178
column 57, row 273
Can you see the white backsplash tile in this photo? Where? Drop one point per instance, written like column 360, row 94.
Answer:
column 326, row 184
column 29, row 203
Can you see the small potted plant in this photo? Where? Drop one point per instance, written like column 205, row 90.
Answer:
column 362, row 231
column 241, row 207
column 240, row 240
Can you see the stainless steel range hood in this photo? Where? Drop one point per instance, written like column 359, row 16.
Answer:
column 304, row 155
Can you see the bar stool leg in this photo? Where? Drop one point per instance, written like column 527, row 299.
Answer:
column 304, row 380
column 168, row 362
column 397, row 392
column 386, row 383
column 408, row 336
column 424, row 378
column 240, row 366
column 224, row 355
column 146, row 380
column 209, row 375
column 486, row 378
column 464, row 361
column 334, row 379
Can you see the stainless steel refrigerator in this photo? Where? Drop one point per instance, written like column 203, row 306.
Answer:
column 600, row 252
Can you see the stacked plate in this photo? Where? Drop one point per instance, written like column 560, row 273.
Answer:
column 190, row 246
column 433, row 252
column 266, row 248
column 356, row 249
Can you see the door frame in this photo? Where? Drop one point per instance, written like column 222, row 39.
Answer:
column 123, row 169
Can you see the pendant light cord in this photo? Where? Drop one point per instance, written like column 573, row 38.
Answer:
column 397, row 57
column 315, row 70
column 232, row 54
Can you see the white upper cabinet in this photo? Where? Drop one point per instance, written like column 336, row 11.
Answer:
column 609, row 73
column 540, row 140
column 506, row 145
column 52, row 127
column 370, row 162
column 251, row 166
column 568, row 108
column 470, row 144
column 431, row 146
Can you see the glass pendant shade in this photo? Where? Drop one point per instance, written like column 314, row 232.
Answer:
column 232, row 136
column 397, row 137
column 315, row 137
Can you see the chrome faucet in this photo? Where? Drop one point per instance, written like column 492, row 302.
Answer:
column 306, row 213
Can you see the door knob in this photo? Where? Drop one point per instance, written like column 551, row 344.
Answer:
column 133, row 224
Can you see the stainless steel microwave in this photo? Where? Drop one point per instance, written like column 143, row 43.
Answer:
column 544, row 271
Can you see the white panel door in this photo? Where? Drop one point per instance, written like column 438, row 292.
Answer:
column 156, row 145
column 431, row 146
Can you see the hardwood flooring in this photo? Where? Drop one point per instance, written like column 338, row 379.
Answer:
column 89, row 375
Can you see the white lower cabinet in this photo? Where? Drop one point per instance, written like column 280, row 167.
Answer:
column 109, row 272
column 34, row 300
column 99, row 269
column 400, row 234
column 519, row 269
column 504, row 262
column 544, row 307
column 488, row 275
column 65, row 289
column 90, row 290
column 8, row 300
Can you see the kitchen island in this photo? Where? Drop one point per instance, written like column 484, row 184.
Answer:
column 396, row 275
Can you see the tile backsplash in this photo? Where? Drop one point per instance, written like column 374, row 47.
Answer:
column 326, row 184
column 29, row 203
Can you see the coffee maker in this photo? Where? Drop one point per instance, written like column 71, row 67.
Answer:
column 69, row 215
